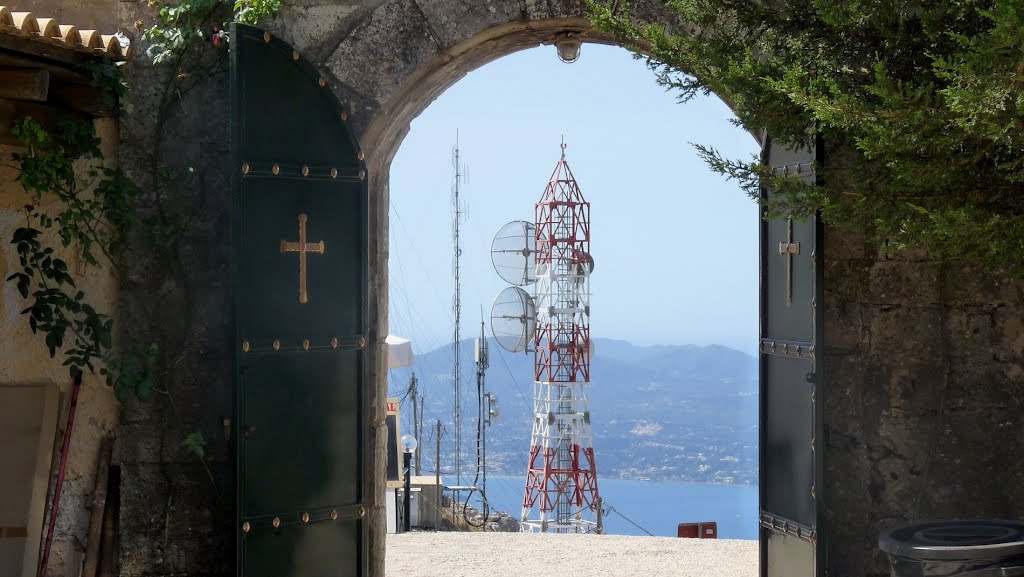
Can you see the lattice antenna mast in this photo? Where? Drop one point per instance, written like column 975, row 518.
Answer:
column 482, row 359
column 561, row 482
column 457, row 308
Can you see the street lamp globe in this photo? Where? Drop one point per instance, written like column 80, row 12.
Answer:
column 409, row 443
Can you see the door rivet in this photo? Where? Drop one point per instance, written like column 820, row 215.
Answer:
column 266, row 37
column 334, row 343
column 305, row 517
column 245, row 346
column 277, row 345
column 362, row 175
column 361, row 156
column 344, row 116
column 275, row 169
column 360, row 511
column 334, row 515
column 305, row 170
column 323, row 81
column 245, row 168
column 305, row 344
column 334, row 173
column 295, row 54
column 246, row 527
column 276, row 522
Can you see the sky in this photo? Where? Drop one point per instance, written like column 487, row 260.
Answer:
column 675, row 245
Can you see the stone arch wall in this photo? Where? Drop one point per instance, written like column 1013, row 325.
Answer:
column 388, row 61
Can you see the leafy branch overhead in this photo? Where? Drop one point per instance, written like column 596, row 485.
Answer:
column 920, row 104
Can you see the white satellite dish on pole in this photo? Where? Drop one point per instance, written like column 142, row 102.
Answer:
column 513, row 319
column 514, row 253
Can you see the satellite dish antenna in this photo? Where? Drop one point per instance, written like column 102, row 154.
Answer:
column 513, row 318
column 583, row 263
column 514, row 253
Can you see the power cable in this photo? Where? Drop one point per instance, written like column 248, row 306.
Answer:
column 610, row 509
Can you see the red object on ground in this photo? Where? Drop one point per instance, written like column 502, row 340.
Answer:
column 688, row 531
column 65, row 445
column 706, row 530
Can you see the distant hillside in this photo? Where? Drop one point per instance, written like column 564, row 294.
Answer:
column 670, row 412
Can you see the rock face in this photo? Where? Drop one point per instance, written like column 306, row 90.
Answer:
column 924, row 361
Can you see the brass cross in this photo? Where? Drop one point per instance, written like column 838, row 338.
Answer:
column 302, row 247
column 789, row 248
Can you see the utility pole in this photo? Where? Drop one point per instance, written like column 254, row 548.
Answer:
column 415, row 418
column 419, row 435
column 437, row 479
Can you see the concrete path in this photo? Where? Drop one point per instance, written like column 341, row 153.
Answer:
column 524, row 555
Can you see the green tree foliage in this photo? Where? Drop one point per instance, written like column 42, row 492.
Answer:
column 923, row 96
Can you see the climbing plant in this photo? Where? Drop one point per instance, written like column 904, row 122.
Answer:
column 181, row 24
column 76, row 204
column 83, row 209
column 920, row 103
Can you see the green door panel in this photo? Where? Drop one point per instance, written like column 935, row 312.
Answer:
column 299, row 276
column 299, row 408
column 791, row 500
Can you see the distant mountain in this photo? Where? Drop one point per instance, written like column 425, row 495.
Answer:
column 667, row 412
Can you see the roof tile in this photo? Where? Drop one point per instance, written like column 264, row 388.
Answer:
column 48, row 30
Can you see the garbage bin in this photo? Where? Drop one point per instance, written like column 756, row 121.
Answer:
column 978, row 548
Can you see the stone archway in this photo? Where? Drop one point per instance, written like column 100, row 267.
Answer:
column 389, row 60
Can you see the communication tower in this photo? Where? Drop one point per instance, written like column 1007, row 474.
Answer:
column 553, row 254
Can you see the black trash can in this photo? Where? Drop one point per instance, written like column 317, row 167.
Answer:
column 978, row 548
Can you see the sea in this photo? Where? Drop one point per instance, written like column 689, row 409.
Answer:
column 657, row 507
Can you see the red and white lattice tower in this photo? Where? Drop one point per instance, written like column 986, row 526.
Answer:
column 561, row 482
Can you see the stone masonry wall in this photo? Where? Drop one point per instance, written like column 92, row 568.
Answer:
column 177, row 511
column 924, row 387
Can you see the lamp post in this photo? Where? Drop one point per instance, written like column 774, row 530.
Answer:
column 408, row 448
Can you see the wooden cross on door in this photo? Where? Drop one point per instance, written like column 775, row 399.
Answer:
column 302, row 247
column 789, row 248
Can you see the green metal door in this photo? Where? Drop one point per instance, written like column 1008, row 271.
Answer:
column 790, row 375
column 299, row 249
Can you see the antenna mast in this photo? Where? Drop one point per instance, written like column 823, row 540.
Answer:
column 561, row 482
column 553, row 253
column 457, row 307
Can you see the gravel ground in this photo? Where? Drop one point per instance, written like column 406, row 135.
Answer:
column 430, row 554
